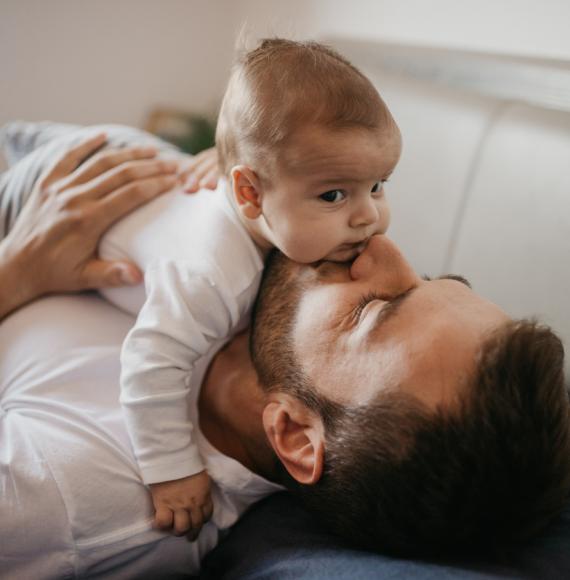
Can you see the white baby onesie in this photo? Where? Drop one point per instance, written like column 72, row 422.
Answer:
column 201, row 281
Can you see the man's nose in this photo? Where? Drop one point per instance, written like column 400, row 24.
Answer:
column 365, row 213
column 382, row 264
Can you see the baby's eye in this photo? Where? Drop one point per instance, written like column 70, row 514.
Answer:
column 378, row 186
column 333, row 196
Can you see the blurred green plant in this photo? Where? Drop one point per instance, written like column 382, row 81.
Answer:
column 191, row 132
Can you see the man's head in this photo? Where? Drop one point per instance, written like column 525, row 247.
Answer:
column 410, row 413
column 307, row 143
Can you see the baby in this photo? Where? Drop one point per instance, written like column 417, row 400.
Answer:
column 305, row 145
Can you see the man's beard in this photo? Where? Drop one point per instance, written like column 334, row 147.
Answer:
column 273, row 321
column 271, row 339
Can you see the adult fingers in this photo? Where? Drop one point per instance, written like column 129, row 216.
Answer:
column 163, row 518
column 123, row 174
column 181, row 522
column 104, row 162
column 69, row 161
column 130, row 196
column 105, row 274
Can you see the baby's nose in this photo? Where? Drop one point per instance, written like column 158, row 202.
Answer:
column 365, row 214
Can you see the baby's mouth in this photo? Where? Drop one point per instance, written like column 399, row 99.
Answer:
column 357, row 247
column 347, row 252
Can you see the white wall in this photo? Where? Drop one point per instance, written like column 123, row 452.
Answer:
column 525, row 27
column 111, row 60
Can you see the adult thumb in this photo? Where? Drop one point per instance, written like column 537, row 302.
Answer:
column 104, row 274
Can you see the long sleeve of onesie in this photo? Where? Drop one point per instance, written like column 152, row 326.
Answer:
column 185, row 313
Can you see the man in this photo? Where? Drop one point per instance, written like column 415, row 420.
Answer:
column 383, row 410
column 411, row 415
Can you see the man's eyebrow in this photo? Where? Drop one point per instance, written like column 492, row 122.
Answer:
column 394, row 305
column 455, row 277
column 392, row 308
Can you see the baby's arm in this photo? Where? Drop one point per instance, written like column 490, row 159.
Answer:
column 182, row 316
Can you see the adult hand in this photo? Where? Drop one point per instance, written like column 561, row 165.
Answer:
column 53, row 244
column 201, row 170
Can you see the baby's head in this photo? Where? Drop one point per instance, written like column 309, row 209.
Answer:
column 307, row 143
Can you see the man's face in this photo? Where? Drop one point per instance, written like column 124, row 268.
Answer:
column 357, row 329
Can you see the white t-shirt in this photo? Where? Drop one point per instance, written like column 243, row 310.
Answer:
column 202, row 273
column 72, row 502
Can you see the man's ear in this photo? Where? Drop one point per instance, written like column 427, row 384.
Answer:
column 247, row 191
column 297, row 437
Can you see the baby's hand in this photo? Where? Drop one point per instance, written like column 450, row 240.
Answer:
column 183, row 505
column 199, row 171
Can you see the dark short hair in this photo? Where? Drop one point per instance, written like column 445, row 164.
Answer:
column 487, row 474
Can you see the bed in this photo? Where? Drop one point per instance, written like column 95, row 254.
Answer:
column 483, row 189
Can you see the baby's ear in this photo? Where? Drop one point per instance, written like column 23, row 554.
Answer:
column 247, row 191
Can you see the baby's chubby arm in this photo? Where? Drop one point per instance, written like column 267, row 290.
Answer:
column 184, row 314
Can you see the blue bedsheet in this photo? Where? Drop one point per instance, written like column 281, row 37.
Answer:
column 278, row 539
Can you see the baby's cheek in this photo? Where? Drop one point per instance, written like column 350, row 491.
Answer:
column 384, row 221
column 310, row 247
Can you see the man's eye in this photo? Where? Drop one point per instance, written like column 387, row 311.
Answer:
column 333, row 196
column 363, row 302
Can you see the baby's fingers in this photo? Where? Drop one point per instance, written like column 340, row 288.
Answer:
column 197, row 521
column 107, row 274
column 182, row 522
column 210, row 180
column 201, row 169
column 208, row 509
column 163, row 518
column 205, row 176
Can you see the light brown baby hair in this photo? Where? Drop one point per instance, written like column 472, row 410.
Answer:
column 283, row 85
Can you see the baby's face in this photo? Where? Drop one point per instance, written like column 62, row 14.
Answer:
column 327, row 195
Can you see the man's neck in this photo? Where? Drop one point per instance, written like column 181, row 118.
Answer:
column 230, row 407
